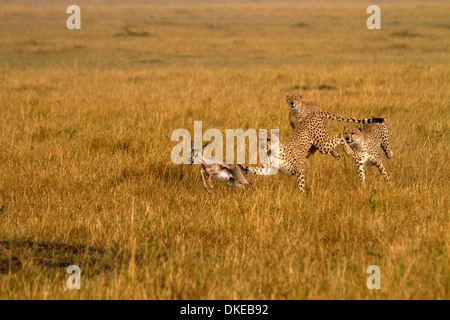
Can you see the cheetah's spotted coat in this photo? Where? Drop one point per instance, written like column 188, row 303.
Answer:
column 310, row 131
column 363, row 147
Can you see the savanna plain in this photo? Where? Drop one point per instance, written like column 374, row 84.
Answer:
column 86, row 177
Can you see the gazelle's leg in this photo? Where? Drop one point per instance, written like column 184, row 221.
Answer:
column 204, row 182
column 210, row 177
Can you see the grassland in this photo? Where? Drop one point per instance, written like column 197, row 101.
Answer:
column 86, row 176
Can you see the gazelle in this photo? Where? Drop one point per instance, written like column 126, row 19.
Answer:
column 212, row 167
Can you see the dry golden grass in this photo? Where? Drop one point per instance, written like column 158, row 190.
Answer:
column 86, row 176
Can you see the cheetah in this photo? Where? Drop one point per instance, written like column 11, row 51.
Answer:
column 362, row 146
column 292, row 153
column 212, row 167
column 298, row 110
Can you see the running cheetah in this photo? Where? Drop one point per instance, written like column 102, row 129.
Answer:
column 362, row 146
column 299, row 109
column 292, row 153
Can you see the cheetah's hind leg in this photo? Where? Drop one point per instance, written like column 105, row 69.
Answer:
column 382, row 170
column 387, row 149
column 311, row 151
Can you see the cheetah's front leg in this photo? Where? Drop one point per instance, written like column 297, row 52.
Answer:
column 358, row 161
column 361, row 174
column 300, row 177
column 335, row 154
column 327, row 146
column 349, row 151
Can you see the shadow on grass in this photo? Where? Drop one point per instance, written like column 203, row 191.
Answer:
column 16, row 254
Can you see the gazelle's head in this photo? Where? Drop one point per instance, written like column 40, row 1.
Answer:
column 196, row 154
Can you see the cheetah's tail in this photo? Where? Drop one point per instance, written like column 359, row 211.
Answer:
column 244, row 168
column 331, row 116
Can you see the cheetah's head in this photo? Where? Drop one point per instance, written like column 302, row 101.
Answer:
column 294, row 100
column 352, row 135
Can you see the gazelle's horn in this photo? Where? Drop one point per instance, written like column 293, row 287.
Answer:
column 207, row 142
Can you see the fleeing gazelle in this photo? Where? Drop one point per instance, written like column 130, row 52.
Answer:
column 212, row 167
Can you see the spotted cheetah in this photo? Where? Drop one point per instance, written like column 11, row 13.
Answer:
column 362, row 146
column 298, row 110
column 292, row 153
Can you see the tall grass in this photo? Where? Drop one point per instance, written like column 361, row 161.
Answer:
column 86, row 177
